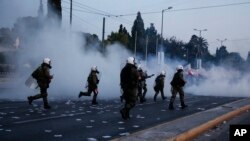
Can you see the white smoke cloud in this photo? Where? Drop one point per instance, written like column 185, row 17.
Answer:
column 223, row 82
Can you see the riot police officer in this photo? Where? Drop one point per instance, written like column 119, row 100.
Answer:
column 129, row 83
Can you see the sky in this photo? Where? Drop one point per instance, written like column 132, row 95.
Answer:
column 222, row 22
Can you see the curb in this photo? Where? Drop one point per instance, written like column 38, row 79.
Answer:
column 193, row 133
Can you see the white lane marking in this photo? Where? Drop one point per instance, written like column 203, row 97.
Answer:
column 106, row 137
column 104, row 122
column 136, row 126
column 47, row 118
column 58, row 136
column 78, row 119
column 8, row 130
column 124, row 134
column 92, row 139
column 3, row 113
column 120, row 122
column 47, row 131
column 8, row 108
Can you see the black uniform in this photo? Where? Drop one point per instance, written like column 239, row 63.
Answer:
column 93, row 82
column 43, row 77
column 159, row 86
column 129, row 83
column 143, row 85
column 177, row 84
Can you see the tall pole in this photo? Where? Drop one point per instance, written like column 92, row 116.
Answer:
column 200, row 30
column 198, row 55
column 156, row 46
column 221, row 41
column 146, row 55
column 70, row 13
column 135, row 43
column 162, row 26
column 103, row 32
column 162, row 22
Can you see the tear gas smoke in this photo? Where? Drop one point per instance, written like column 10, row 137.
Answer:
column 71, row 66
column 223, row 82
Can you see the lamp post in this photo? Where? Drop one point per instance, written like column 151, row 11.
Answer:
column 221, row 41
column 198, row 52
column 162, row 22
column 200, row 30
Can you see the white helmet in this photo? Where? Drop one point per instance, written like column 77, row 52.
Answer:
column 139, row 67
column 94, row 68
column 179, row 67
column 163, row 72
column 131, row 60
column 47, row 61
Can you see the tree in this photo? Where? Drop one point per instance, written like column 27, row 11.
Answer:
column 138, row 29
column 6, row 37
column 54, row 12
column 248, row 58
column 221, row 53
column 151, row 32
column 175, row 49
column 198, row 48
column 122, row 36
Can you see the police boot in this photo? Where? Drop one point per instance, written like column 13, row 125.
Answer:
column 127, row 114
column 83, row 94
column 183, row 105
column 171, row 104
column 94, row 100
column 30, row 99
column 121, row 99
column 45, row 102
column 123, row 113
column 155, row 97
column 47, row 107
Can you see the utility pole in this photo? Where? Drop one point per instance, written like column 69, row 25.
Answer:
column 103, row 32
column 221, row 41
column 156, row 46
column 162, row 22
column 146, row 55
column 70, row 14
column 135, row 44
column 198, row 55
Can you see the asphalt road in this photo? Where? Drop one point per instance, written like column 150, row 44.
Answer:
column 80, row 121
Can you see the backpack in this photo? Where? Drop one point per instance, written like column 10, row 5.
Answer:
column 37, row 72
column 157, row 80
column 177, row 81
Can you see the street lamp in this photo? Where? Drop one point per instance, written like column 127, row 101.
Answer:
column 221, row 41
column 162, row 21
column 199, row 61
column 200, row 30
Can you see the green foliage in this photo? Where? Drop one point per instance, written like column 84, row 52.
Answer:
column 122, row 36
column 139, row 32
column 151, row 32
column 54, row 11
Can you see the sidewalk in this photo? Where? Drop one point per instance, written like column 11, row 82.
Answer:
column 187, row 128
